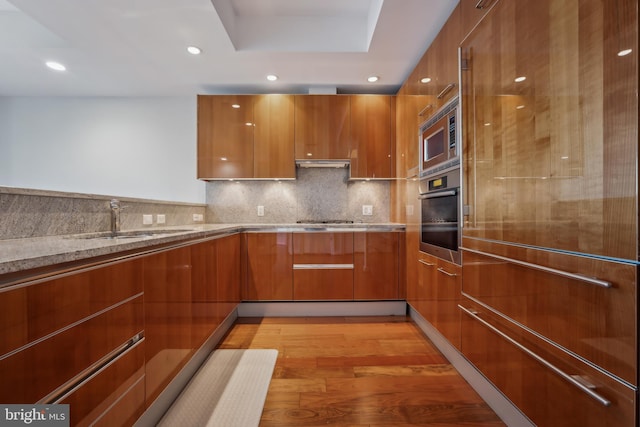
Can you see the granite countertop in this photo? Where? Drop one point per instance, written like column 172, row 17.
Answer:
column 29, row 253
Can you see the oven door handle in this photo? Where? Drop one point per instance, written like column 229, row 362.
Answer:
column 438, row 194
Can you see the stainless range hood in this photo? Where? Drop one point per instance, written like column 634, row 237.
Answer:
column 322, row 163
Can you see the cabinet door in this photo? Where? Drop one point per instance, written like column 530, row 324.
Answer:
column 375, row 266
column 228, row 279
column 323, row 266
column 551, row 137
column 321, row 127
column 408, row 121
column 438, row 296
column 472, row 11
column 539, row 379
column 372, row 140
column 225, row 136
column 204, row 302
column 168, row 312
column 273, row 146
column 444, row 84
column 269, row 266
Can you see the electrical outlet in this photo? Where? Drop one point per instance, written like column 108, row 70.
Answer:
column 367, row 210
column 161, row 218
column 147, row 219
column 409, row 210
column 198, row 217
column 260, row 210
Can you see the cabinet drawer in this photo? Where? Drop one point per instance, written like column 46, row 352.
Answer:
column 29, row 313
column 596, row 322
column 38, row 370
column 537, row 377
column 323, row 283
column 115, row 396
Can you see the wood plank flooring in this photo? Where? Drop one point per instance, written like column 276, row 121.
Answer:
column 358, row 372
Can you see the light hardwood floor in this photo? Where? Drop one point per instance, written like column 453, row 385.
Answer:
column 357, row 372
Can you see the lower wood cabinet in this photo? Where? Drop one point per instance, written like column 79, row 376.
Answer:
column 323, row 266
column 188, row 293
column 550, row 386
column 269, row 267
column 376, row 265
column 438, row 294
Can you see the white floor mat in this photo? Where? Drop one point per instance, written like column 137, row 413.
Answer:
column 229, row 390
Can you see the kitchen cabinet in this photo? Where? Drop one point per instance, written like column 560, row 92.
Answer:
column 408, row 119
column 188, row 292
column 245, row 136
column 372, row 142
column 322, row 127
column 438, row 294
column 471, row 12
column 376, row 265
column 225, row 136
column 59, row 330
column 551, row 126
column 269, row 267
column 583, row 304
column 323, row 266
column 549, row 385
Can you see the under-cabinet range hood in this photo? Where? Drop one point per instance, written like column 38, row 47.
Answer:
column 322, row 163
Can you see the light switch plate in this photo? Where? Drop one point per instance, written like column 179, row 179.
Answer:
column 260, row 210
column 367, row 210
column 147, row 219
column 198, row 217
column 161, row 218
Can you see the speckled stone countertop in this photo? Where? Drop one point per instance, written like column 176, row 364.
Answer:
column 29, row 253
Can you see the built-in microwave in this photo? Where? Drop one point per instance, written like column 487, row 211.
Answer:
column 439, row 140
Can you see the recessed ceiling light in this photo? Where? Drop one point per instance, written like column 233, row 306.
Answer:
column 55, row 66
column 520, row 79
column 373, row 79
column 272, row 77
column 194, row 50
column 625, row 52
column 425, row 80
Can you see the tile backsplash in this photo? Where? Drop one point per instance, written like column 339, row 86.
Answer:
column 316, row 194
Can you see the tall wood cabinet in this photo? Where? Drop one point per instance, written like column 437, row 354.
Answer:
column 245, row 136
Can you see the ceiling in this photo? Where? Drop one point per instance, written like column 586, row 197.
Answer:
column 138, row 47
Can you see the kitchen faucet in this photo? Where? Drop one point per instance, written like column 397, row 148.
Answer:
column 115, row 216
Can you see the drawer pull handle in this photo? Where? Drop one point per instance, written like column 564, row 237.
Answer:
column 480, row 4
column 323, row 266
column 428, row 264
column 443, row 271
column 590, row 280
column 446, row 90
column 587, row 388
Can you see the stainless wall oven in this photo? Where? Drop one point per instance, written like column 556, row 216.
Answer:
column 440, row 177
column 440, row 205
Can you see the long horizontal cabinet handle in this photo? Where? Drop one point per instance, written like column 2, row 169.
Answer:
column 590, row 280
column 421, row 261
column 572, row 379
column 446, row 90
column 323, row 266
column 445, row 272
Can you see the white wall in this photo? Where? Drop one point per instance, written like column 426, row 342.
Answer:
column 127, row 147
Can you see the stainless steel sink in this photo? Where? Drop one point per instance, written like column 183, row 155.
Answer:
column 135, row 234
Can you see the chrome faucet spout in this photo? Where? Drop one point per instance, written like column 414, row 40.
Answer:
column 116, row 208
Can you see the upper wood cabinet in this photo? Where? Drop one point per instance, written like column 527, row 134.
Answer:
column 273, row 147
column 225, row 136
column 372, row 142
column 551, row 126
column 322, row 127
column 245, row 136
